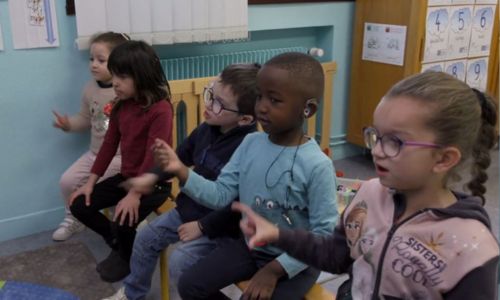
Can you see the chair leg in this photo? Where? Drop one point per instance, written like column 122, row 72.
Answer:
column 107, row 213
column 164, row 276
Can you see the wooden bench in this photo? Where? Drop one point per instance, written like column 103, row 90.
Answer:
column 317, row 292
column 188, row 105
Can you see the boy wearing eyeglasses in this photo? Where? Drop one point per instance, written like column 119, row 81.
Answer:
column 229, row 117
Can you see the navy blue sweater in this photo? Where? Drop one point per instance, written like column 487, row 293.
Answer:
column 208, row 151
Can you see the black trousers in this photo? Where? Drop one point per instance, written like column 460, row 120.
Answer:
column 232, row 262
column 108, row 193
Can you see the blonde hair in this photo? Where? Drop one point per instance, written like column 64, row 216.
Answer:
column 461, row 117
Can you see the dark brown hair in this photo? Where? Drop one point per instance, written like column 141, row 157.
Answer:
column 242, row 80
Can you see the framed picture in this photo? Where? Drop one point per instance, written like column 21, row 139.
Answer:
column 290, row 1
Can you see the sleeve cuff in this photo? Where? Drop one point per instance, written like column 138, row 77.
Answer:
column 291, row 266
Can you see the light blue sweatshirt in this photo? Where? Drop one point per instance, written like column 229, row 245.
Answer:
column 260, row 173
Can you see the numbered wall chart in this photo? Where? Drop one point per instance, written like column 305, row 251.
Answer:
column 34, row 24
column 384, row 43
column 477, row 73
column 456, row 68
column 482, row 28
column 459, row 32
column 436, row 34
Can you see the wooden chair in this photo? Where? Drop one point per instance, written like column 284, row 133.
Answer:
column 187, row 101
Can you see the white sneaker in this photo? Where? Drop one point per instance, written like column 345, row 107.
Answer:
column 67, row 228
column 119, row 295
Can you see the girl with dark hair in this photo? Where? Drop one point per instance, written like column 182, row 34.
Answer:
column 142, row 114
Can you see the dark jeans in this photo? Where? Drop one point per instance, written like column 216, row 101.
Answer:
column 232, row 262
column 108, row 193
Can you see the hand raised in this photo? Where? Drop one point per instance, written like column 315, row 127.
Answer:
column 143, row 184
column 61, row 121
column 166, row 157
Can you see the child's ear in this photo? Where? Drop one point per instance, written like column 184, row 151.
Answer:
column 448, row 157
column 310, row 108
column 245, row 120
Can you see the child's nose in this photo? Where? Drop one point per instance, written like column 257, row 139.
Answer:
column 209, row 106
column 260, row 107
column 377, row 149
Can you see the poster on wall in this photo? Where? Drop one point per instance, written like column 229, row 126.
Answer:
column 456, row 68
column 486, row 1
column 459, row 33
column 384, row 43
column 436, row 34
column 477, row 73
column 462, row 2
column 482, row 28
column 34, row 24
column 436, row 67
column 438, row 2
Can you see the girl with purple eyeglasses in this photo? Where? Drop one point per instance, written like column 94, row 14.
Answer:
column 417, row 238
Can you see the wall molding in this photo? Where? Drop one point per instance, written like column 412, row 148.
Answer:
column 23, row 225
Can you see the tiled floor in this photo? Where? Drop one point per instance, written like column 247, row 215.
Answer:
column 356, row 167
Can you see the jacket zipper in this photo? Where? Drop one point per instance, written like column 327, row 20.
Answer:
column 384, row 250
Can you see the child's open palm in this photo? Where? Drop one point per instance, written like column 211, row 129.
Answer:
column 166, row 158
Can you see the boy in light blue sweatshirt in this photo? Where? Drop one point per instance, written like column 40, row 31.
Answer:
column 281, row 173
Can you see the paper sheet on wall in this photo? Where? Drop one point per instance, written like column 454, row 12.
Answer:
column 384, row 43
column 1, row 38
column 486, row 1
column 456, row 68
column 437, row 67
column 454, row 2
column 482, row 28
column 436, row 34
column 34, row 24
column 459, row 32
column 438, row 2
column 477, row 73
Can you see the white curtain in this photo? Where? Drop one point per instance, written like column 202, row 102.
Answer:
column 163, row 21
